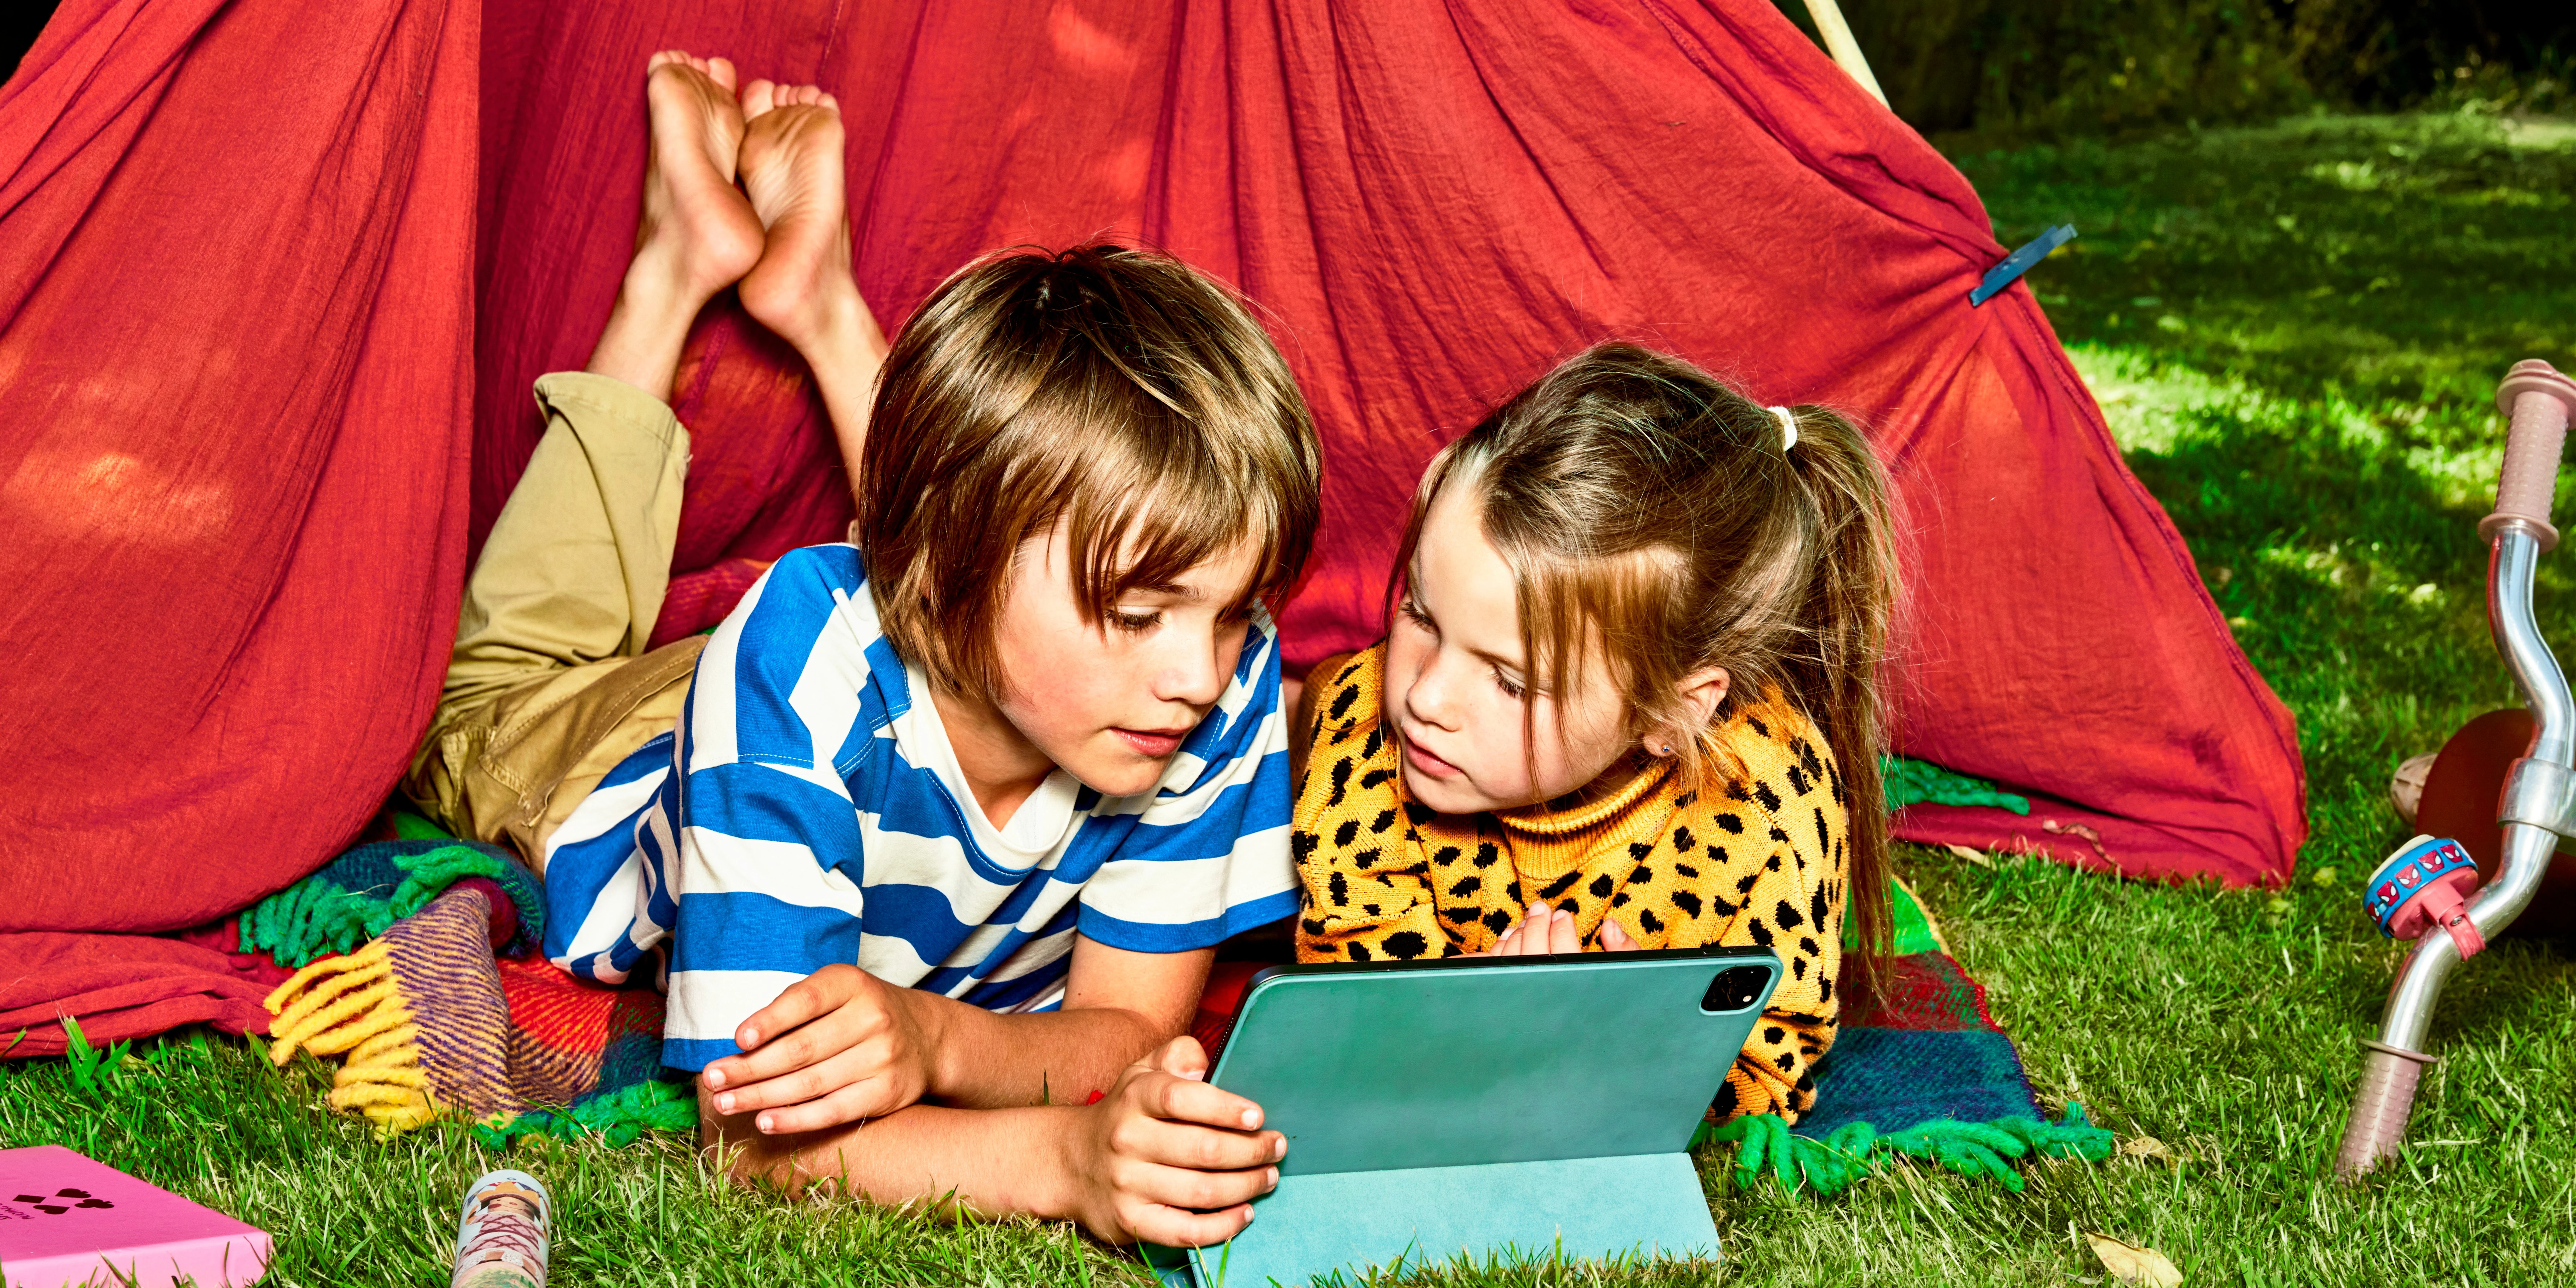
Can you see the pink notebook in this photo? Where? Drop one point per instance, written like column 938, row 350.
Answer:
column 65, row 1220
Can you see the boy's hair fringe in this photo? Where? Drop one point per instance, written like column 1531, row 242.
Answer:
column 1111, row 389
column 1649, row 511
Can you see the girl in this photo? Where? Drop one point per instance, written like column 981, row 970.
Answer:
column 1629, row 700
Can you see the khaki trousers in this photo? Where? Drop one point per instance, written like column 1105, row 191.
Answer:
column 549, row 685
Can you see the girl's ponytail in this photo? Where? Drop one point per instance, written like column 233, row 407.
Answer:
column 1850, row 607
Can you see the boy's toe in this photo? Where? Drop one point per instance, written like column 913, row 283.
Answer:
column 758, row 97
column 720, row 70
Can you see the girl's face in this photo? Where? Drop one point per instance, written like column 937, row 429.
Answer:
column 1457, row 685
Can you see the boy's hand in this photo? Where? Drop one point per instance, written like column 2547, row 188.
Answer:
column 837, row 1047
column 1166, row 1158
column 1543, row 930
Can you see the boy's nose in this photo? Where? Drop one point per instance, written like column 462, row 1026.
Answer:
column 1193, row 673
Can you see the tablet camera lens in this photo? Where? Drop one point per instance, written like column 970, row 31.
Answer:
column 1734, row 989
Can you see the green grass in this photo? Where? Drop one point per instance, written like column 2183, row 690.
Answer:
column 2296, row 331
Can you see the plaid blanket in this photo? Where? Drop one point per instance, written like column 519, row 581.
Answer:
column 1921, row 1071
column 420, row 968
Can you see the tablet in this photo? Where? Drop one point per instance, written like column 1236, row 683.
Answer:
column 1512, row 1107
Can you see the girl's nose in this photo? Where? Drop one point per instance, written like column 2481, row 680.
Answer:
column 1432, row 697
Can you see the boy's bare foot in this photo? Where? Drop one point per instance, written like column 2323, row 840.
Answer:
column 697, row 234
column 696, row 225
column 792, row 167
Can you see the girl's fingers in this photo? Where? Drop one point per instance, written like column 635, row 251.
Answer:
column 1561, row 937
column 1614, row 937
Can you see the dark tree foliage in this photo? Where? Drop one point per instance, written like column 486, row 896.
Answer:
column 2046, row 65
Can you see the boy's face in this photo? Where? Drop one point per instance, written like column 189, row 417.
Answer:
column 1458, row 688
column 1109, row 700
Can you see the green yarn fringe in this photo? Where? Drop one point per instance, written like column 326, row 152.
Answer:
column 317, row 917
column 1909, row 782
column 1828, row 1166
column 617, row 1118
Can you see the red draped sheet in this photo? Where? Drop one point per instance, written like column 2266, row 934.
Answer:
column 257, row 300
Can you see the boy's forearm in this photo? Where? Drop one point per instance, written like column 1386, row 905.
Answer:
column 993, row 1162
column 984, row 1060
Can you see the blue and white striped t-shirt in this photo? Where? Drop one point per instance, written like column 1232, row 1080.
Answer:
column 817, row 815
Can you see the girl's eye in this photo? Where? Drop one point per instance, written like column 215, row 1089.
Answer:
column 1414, row 614
column 1504, row 682
column 1132, row 622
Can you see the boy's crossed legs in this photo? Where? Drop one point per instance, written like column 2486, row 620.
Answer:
column 548, row 687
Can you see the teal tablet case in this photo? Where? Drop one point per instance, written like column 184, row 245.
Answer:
column 1520, row 1108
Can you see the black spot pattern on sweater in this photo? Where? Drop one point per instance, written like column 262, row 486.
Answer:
column 1342, row 702
column 1367, row 858
column 1770, row 799
column 1373, row 744
column 1466, row 886
column 1384, row 820
column 1653, row 924
column 1798, row 781
column 1445, row 855
column 1559, row 886
column 1486, row 854
column 1370, row 780
column 1349, row 831
column 1498, row 921
column 1788, row 916
column 1682, row 839
column 1359, row 952
column 1339, row 887
column 1602, row 886
column 1687, row 902
column 1341, row 782
column 1405, row 945
column 1761, row 933
column 1733, row 823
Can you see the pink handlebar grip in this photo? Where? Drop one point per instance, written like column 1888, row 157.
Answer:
column 2539, row 401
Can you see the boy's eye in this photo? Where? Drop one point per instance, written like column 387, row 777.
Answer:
column 1127, row 620
column 1413, row 613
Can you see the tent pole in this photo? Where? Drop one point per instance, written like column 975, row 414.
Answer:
column 1839, row 43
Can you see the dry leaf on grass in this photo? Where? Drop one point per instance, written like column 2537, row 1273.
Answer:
column 2147, row 1147
column 1977, row 857
column 2131, row 1264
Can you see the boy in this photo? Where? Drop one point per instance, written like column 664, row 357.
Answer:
column 939, row 830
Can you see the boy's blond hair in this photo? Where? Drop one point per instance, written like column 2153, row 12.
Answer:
column 1112, row 389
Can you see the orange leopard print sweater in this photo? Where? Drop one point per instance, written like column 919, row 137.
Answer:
column 1756, row 859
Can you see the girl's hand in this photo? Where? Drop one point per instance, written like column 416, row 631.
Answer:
column 1166, row 1158
column 837, row 1047
column 1543, row 930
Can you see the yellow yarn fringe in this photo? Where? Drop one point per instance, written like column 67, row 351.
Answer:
column 349, row 1005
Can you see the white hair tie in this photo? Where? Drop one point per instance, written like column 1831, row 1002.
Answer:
column 1788, row 427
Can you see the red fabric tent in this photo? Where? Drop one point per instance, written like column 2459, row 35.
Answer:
column 234, row 361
